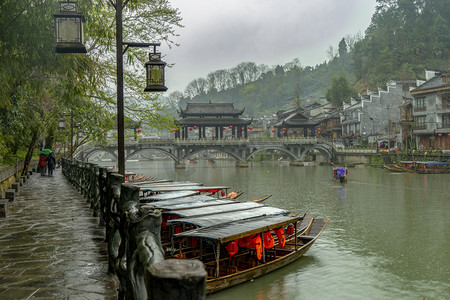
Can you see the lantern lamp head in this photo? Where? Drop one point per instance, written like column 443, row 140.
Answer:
column 61, row 123
column 69, row 29
column 155, row 73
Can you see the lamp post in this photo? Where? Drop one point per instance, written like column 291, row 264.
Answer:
column 155, row 79
column 62, row 126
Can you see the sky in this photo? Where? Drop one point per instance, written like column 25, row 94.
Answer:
column 220, row 34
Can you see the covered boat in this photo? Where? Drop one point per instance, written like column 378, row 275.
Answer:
column 340, row 174
column 239, row 251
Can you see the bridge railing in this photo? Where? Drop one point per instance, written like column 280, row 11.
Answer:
column 133, row 234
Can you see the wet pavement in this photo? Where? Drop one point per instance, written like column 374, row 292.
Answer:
column 50, row 245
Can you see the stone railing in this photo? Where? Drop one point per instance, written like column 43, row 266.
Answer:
column 133, row 234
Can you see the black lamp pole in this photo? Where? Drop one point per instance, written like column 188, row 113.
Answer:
column 120, row 108
column 120, row 51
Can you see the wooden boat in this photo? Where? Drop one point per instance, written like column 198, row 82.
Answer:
column 151, row 190
column 340, row 174
column 233, row 195
column 203, row 206
column 405, row 166
column 262, row 199
column 228, row 264
column 432, row 167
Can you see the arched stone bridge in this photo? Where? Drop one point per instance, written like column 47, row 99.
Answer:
column 241, row 149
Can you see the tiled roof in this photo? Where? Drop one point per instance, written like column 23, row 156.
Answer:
column 433, row 83
column 210, row 109
column 191, row 121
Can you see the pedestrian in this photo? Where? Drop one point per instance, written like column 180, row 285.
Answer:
column 42, row 164
column 51, row 162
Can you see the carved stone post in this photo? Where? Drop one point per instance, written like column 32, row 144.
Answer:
column 176, row 279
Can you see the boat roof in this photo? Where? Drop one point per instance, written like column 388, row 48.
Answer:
column 198, row 188
column 169, row 184
column 153, row 181
column 431, row 163
column 209, row 210
column 169, row 195
column 234, row 230
column 225, row 217
column 192, row 204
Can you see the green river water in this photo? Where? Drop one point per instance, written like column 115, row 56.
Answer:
column 388, row 236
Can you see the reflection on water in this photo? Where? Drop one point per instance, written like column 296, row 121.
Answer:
column 388, row 237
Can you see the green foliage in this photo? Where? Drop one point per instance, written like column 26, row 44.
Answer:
column 340, row 91
column 38, row 86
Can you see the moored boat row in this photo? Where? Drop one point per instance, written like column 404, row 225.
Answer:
column 236, row 241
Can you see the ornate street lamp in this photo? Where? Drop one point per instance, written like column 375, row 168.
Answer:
column 62, row 126
column 61, row 123
column 69, row 29
column 155, row 73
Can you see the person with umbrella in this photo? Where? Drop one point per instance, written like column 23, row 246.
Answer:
column 51, row 162
column 42, row 163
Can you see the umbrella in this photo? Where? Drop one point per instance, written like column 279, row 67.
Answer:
column 46, row 151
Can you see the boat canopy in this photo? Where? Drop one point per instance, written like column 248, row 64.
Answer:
column 170, row 195
column 174, row 201
column 341, row 172
column 198, row 188
column 220, row 218
column 234, row 230
column 208, row 210
column 152, row 182
column 169, row 184
column 433, row 163
column 193, row 204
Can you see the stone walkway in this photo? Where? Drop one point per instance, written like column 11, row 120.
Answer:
column 50, row 245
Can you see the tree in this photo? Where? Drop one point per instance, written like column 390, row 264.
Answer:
column 39, row 85
column 340, row 91
column 342, row 47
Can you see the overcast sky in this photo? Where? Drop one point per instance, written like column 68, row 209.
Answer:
column 219, row 34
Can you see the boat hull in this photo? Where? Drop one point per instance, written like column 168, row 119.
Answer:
column 215, row 285
column 224, row 282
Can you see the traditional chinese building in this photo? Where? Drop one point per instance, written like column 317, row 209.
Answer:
column 432, row 111
column 216, row 120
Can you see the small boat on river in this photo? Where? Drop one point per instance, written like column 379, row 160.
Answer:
column 240, row 251
column 432, row 167
column 340, row 174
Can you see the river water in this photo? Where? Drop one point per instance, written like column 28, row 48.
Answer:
column 388, row 236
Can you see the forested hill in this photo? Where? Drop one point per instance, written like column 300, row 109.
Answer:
column 404, row 38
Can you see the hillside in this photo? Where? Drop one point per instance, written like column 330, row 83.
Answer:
column 403, row 39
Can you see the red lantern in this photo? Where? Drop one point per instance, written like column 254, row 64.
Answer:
column 439, row 134
column 251, row 128
column 242, row 129
column 195, row 127
column 190, row 129
column 230, row 126
column 284, row 129
column 139, row 130
column 318, row 130
column 290, row 230
column 273, row 130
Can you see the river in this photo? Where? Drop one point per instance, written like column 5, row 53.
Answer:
column 388, row 236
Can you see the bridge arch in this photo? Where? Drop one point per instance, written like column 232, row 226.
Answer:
column 165, row 151
column 325, row 151
column 85, row 155
column 283, row 150
column 193, row 152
